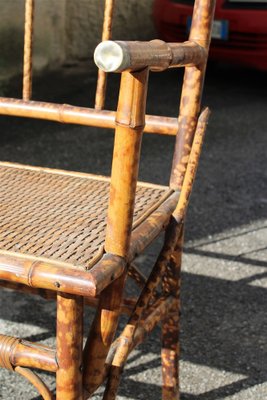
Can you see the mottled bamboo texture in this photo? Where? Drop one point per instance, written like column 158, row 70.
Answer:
column 106, row 35
column 200, row 33
column 127, row 229
column 69, row 347
column 28, row 45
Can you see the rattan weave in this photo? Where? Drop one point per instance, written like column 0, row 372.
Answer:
column 60, row 216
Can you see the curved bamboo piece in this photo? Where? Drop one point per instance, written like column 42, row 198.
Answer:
column 106, row 35
column 28, row 44
column 36, row 382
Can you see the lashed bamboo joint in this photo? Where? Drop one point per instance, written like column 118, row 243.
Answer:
column 17, row 352
column 74, row 237
column 111, row 56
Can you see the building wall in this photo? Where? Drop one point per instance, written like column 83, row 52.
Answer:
column 49, row 28
column 66, row 31
column 132, row 21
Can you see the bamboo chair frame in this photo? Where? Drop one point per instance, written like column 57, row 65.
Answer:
column 81, row 370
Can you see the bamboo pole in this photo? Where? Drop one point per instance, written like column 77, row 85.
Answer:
column 68, row 114
column 64, row 278
column 170, row 323
column 156, row 55
column 167, row 268
column 106, row 35
column 129, row 127
column 200, row 33
column 69, row 347
column 28, row 44
column 130, row 121
column 101, row 335
column 181, row 208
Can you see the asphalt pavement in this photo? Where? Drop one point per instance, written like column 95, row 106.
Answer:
column 224, row 280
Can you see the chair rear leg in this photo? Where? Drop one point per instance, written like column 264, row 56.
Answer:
column 69, row 347
column 171, row 326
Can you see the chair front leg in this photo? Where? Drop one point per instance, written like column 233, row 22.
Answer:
column 171, row 325
column 69, row 347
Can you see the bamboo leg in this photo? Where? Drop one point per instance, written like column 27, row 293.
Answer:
column 125, row 343
column 171, row 327
column 69, row 347
column 101, row 335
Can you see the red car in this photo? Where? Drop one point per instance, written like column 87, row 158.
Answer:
column 239, row 32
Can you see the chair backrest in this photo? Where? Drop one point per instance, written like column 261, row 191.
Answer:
column 134, row 60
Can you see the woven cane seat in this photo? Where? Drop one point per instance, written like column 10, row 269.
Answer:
column 61, row 216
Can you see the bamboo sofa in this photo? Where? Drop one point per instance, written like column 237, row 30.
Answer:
column 74, row 236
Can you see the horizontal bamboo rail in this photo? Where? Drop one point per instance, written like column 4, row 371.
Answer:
column 118, row 56
column 18, row 352
column 67, row 114
column 61, row 277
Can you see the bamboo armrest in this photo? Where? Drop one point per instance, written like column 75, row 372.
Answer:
column 118, row 56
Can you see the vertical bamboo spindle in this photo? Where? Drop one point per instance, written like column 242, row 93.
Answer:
column 106, row 35
column 28, row 43
column 191, row 91
column 69, row 347
column 130, row 120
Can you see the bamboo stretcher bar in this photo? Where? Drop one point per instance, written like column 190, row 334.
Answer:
column 18, row 352
column 106, row 35
column 28, row 43
column 67, row 114
column 118, row 56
